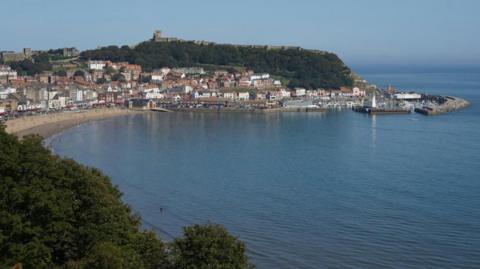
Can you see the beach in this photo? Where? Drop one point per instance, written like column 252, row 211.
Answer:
column 47, row 125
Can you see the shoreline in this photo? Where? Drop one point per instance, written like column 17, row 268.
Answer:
column 48, row 125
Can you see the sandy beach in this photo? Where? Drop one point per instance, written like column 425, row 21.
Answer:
column 50, row 124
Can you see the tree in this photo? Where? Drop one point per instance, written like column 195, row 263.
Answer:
column 118, row 77
column 145, row 79
column 61, row 72
column 109, row 70
column 208, row 246
column 101, row 81
column 108, row 255
column 79, row 73
column 42, row 57
column 27, row 67
column 56, row 213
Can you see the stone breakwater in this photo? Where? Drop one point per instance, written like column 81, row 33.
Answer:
column 451, row 104
column 49, row 124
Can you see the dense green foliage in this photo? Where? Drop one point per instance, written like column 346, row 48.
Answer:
column 27, row 67
column 55, row 213
column 209, row 246
column 79, row 73
column 304, row 68
column 39, row 63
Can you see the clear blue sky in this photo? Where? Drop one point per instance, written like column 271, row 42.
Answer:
column 361, row 32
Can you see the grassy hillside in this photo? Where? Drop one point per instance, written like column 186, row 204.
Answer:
column 303, row 68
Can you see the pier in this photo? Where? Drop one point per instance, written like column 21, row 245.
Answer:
column 450, row 104
column 378, row 111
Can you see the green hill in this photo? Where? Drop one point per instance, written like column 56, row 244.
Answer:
column 302, row 68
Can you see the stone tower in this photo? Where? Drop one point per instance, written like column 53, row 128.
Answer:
column 157, row 36
column 28, row 53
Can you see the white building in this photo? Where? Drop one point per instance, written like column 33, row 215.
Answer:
column 229, row 95
column 282, row 93
column 203, row 94
column 4, row 93
column 357, row 92
column 299, row 92
column 244, row 96
column 153, row 93
column 58, row 102
column 79, row 96
column 407, row 96
column 189, row 70
column 157, row 76
column 96, row 65
column 7, row 72
column 259, row 76
column 76, row 95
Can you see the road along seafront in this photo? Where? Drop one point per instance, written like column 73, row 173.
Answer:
column 49, row 124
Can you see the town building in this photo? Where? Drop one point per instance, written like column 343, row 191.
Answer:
column 7, row 74
column 97, row 65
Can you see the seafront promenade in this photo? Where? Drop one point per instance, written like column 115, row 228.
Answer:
column 49, row 124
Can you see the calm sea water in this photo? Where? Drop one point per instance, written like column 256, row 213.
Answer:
column 307, row 190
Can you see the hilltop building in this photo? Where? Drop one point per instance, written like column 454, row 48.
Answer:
column 70, row 52
column 157, row 37
column 11, row 56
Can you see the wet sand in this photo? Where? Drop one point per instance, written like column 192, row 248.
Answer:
column 53, row 123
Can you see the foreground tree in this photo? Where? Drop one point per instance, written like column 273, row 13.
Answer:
column 209, row 246
column 56, row 213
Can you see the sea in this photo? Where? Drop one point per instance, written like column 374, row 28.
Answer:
column 308, row 190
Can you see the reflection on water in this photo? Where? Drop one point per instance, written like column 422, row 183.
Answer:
column 374, row 129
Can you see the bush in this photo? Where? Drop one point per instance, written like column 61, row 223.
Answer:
column 209, row 246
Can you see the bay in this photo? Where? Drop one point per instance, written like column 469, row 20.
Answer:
column 307, row 190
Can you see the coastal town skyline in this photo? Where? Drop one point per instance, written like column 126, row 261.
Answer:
column 352, row 30
column 193, row 77
column 251, row 134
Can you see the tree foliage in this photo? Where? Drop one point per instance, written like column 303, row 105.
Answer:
column 79, row 73
column 61, row 72
column 56, row 213
column 118, row 77
column 27, row 67
column 209, row 246
column 304, row 68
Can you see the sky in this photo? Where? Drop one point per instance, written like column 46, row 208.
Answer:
column 383, row 32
